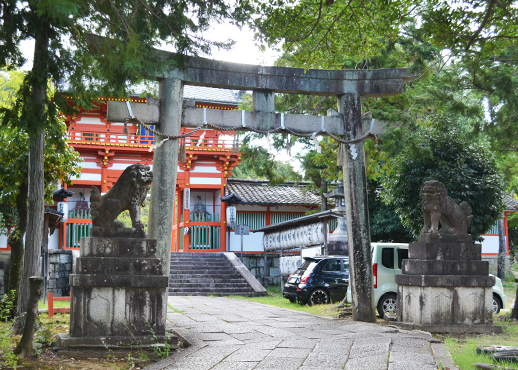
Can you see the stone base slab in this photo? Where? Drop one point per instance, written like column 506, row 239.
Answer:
column 116, row 346
column 445, row 251
column 483, row 281
column 132, row 281
column 118, row 247
column 445, row 306
column 442, row 267
column 445, row 238
column 117, row 232
column 117, row 311
column 451, row 329
column 118, row 266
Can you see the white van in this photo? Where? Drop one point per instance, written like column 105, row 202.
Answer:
column 386, row 264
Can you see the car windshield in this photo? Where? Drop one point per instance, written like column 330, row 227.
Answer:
column 306, row 267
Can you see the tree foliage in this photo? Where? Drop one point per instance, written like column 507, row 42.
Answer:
column 257, row 163
column 467, row 169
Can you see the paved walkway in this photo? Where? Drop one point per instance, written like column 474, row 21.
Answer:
column 234, row 334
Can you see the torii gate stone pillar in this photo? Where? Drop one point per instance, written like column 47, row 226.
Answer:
column 165, row 164
column 347, row 85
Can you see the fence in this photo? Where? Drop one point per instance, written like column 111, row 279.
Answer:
column 205, row 237
column 204, row 217
column 253, row 219
column 50, row 303
column 276, row 218
column 75, row 231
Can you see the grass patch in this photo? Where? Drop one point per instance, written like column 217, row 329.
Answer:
column 46, row 358
column 172, row 309
column 275, row 298
column 464, row 350
column 57, row 304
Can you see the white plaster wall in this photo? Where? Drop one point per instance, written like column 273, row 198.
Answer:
column 251, row 243
column 205, row 169
column 89, row 165
column 54, row 240
column 3, row 241
column 490, row 244
column 205, row 181
column 88, row 176
column 91, row 120
column 248, row 207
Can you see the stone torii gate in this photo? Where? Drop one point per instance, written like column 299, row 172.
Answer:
column 347, row 85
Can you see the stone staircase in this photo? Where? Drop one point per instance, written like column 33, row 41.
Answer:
column 211, row 274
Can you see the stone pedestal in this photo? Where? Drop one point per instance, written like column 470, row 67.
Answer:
column 118, row 299
column 445, row 287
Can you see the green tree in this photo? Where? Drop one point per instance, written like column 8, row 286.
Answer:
column 64, row 50
column 466, row 168
column 59, row 166
column 257, row 163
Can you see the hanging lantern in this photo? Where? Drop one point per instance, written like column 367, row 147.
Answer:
column 63, row 208
column 231, row 215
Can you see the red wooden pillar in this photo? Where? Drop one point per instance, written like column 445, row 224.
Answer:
column 186, row 215
column 223, row 228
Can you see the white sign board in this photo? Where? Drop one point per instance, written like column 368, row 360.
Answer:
column 242, row 229
column 187, row 199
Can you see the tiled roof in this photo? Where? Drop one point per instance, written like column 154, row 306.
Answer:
column 211, row 94
column 510, row 203
column 260, row 192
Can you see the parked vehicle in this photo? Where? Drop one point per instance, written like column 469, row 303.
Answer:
column 386, row 264
column 321, row 279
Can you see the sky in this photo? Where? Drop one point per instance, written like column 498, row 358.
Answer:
column 245, row 51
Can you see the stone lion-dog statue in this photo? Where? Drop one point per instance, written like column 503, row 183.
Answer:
column 438, row 207
column 128, row 193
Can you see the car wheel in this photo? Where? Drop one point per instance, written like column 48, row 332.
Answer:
column 318, row 296
column 497, row 306
column 387, row 304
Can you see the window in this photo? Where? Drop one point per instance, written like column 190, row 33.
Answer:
column 387, row 257
column 402, row 254
column 332, row 266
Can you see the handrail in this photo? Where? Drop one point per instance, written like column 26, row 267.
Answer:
column 50, row 302
column 110, row 138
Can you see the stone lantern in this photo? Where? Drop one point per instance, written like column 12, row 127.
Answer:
column 337, row 243
column 338, row 195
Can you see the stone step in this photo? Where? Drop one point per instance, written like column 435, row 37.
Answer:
column 208, row 280
column 230, row 271
column 188, row 291
column 215, row 275
column 200, row 260
column 247, row 294
column 189, row 287
column 198, row 264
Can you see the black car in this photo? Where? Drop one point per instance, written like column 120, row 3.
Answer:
column 321, row 279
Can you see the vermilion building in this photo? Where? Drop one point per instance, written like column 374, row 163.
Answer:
column 202, row 179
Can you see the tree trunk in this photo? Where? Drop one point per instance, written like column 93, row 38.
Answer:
column 34, row 234
column 24, row 348
column 35, row 111
column 16, row 239
column 502, row 250
column 514, row 312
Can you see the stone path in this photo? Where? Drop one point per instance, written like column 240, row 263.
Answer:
column 234, row 334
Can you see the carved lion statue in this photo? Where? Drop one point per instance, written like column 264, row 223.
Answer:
column 438, row 207
column 128, row 193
